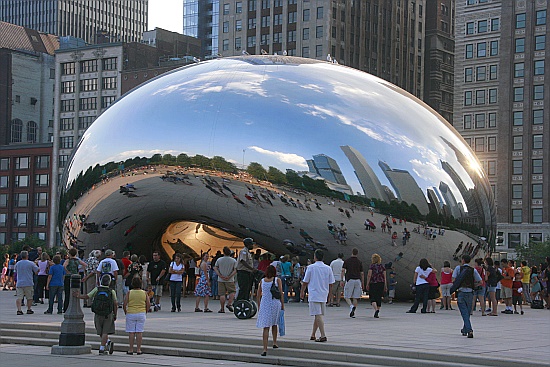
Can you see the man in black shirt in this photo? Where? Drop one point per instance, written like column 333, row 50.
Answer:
column 354, row 275
column 155, row 275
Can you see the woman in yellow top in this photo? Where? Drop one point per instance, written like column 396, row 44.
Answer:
column 136, row 305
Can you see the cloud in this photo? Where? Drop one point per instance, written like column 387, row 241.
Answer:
column 289, row 158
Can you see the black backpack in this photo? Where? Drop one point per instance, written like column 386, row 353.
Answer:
column 464, row 279
column 102, row 304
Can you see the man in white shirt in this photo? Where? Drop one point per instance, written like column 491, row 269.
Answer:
column 108, row 266
column 336, row 291
column 318, row 280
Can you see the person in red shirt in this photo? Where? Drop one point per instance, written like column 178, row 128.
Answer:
column 265, row 261
column 506, row 285
column 126, row 262
column 517, row 293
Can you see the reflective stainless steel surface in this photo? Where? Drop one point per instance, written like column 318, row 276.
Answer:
column 359, row 133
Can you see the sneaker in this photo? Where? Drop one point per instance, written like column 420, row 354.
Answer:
column 20, row 312
column 102, row 351
column 488, row 310
column 470, row 335
column 229, row 307
column 522, row 312
column 48, row 312
column 60, row 312
column 376, row 314
column 110, row 346
column 352, row 312
column 30, row 312
column 516, row 313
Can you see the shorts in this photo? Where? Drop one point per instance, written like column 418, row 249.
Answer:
column 517, row 300
column 480, row 292
column 158, row 290
column 432, row 292
column 446, row 289
column 506, row 292
column 26, row 292
column 337, row 290
column 226, row 288
column 491, row 289
column 317, row 308
column 391, row 293
column 135, row 322
column 104, row 325
column 352, row 289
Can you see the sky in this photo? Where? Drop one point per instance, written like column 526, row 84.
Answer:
column 166, row 14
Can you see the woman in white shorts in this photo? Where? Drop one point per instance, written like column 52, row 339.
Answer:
column 136, row 305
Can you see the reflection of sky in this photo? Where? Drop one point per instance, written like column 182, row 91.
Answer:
column 280, row 115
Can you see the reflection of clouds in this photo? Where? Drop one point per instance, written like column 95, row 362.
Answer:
column 289, row 158
column 433, row 173
column 313, row 87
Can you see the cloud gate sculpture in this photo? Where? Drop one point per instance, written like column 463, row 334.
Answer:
column 274, row 147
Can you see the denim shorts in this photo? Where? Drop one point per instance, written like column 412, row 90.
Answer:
column 491, row 289
column 480, row 292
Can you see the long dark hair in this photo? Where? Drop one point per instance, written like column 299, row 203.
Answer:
column 424, row 264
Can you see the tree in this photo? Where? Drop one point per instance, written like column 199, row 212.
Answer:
column 276, row 176
column 257, row 170
column 183, row 160
column 533, row 252
column 201, row 161
column 220, row 164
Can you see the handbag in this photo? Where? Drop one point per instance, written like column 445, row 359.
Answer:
column 275, row 292
column 281, row 323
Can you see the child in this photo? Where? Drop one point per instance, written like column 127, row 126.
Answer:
column 391, row 287
column 517, row 293
column 151, row 295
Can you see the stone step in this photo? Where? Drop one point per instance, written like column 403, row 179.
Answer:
column 188, row 345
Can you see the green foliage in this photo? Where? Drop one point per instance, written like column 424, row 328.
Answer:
column 32, row 241
column 257, row 171
column 275, row 176
column 533, row 252
column 201, row 161
column 220, row 164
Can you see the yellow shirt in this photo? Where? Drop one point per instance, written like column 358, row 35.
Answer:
column 136, row 301
column 526, row 274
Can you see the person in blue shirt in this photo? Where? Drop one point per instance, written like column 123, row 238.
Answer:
column 55, row 285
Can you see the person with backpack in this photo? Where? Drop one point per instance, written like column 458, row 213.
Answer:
column 465, row 279
column 104, row 307
column 71, row 267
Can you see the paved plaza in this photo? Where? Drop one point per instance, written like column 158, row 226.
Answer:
column 508, row 337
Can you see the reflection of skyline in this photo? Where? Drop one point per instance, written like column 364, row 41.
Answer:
column 450, row 200
column 326, row 167
column 405, row 187
column 372, row 188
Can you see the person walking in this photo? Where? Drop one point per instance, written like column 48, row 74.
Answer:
column 135, row 306
column 318, row 281
column 25, row 270
column 226, row 268
column 176, row 271
column 155, row 276
column 336, row 291
column 466, row 293
column 376, row 283
column 352, row 270
column 203, row 289
column 421, row 273
column 269, row 307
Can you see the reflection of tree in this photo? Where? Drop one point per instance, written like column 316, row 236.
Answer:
column 276, row 176
column 256, row 170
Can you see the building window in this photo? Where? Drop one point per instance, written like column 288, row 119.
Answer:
column 518, row 94
column 517, row 191
column 319, row 31
column 469, row 51
column 468, row 98
column 264, row 39
column 480, row 144
column 3, row 200
column 42, row 180
column 537, row 166
column 492, row 119
column 467, row 121
column 4, row 182
column 517, row 143
column 68, row 86
column 225, row 46
column 225, row 27
column 3, row 219
column 252, row 23
column 470, row 28
column 110, row 82
column 4, row 164
column 541, row 17
column 540, row 42
column 516, row 216
column 492, row 144
column 520, row 45
column 265, row 4
column 251, row 41
column 481, row 49
column 492, row 168
column 20, row 219
column 539, row 67
column 291, row 36
column 21, row 200
column 292, row 17
column 537, row 141
column 538, row 118
column 535, row 237
column 538, row 92
column 494, row 48
column 517, row 167
column 481, row 73
column 84, row 122
column 239, row 7
column 514, row 239
column 87, row 85
column 493, row 95
column 480, row 120
column 520, row 21
column 68, row 68
column 22, row 181
column 16, row 131
column 305, row 51
column 42, row 162
column 320, row 12
column 225, row 9
column 32, row 129
column 518, row 118
column 318, row 50
column 480, row 97
column 22, row 162
column 519, row 70
column 238, row 25
column 277, row 37
column 277, row 19
column 88, row 66
column 40, row 199
column 495, row 24
column 468, row 75
column 106, row 101
column 265, row 21
column 305, row 33
column 306, row 14
column 40, row 219
column 493, row 72
column 67, row 105
column 482, row 26
column 89, row 103
column 536, row 191
column 63, row 159
column 66, row 142
column 537, row 215
column 110, row 63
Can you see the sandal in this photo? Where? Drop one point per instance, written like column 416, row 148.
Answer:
column 321, row 339
column 198, row 310
column 130, row 353
column 313, row 338
column 221, row 311
column 139, row 353
column 207, row 310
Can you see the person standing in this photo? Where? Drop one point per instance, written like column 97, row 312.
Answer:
column 352, row 270
column 71, row 268
column 226, row 268
column 25, row 271
column 136, row 304
column 466, row 293
column 318, row 280
column 176, row 271
column 526, row 280
column 44, row 264
column 108, row 266
column 376, row 283
column 90, row 279
column 155, row 275
column 421, row 274
column 336, row 291
column 286, row 275
column 492, row 281
column 269, row 307
column 508, row 275
column 245, row 270
column 203, row 289
column 54, row 285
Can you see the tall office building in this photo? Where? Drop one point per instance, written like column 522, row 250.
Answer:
column 451, row 205
column 405, row 187
column 326, row 167
column 499, row 108
column 372, row 188
column 95, row 21
column 383, row 37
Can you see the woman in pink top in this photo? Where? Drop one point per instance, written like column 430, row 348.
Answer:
column 446, row 283
column 43, row 268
